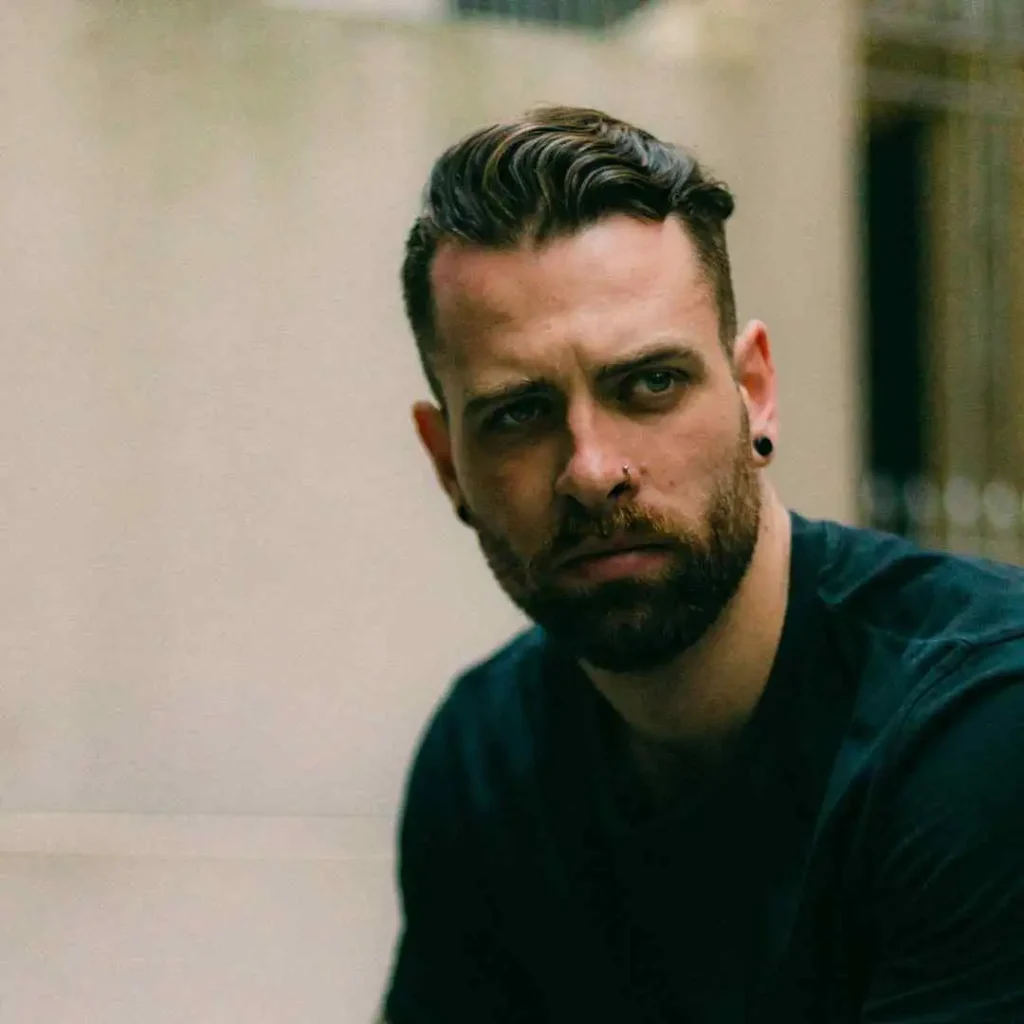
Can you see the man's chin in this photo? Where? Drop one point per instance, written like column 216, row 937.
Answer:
column 626, row 652
column 620, row 639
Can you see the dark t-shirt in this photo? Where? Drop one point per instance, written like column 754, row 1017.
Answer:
column 860, row 857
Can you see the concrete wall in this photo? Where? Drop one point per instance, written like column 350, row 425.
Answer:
column 229, row 594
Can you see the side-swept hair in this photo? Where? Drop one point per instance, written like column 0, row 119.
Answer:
column 551, row 173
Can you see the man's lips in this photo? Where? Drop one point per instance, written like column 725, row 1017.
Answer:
column 596, row 549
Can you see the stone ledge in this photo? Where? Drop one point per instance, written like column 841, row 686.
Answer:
column 670, row 30
column 198, row 836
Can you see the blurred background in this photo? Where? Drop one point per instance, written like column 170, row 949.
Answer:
column 230, row 592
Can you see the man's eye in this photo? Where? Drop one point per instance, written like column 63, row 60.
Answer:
column 515, row 417
column 651, row 384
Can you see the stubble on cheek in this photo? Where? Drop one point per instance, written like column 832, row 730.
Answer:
column 515, row 532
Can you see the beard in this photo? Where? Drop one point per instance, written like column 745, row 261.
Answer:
column 638, row 624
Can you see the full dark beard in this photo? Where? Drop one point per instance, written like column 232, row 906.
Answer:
column 637, row 624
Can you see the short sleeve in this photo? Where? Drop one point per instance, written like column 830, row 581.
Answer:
column 450, row 966
column 948, row 909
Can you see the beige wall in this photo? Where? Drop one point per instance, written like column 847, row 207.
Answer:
column 229, row 593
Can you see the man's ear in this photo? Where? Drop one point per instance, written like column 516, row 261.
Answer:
column 755, row 375
column 432, row 428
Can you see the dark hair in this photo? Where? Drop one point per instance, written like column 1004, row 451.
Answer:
column 552, row 172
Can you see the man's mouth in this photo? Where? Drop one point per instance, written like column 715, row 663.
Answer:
column 609, row 560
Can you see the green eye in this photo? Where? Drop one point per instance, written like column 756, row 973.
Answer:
column 658, row 382
column 651, row 384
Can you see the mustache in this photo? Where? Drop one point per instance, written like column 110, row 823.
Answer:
column 579, row 525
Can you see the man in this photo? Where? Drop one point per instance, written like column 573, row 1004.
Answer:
column 747, row 767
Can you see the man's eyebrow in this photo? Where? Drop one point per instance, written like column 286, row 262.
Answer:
column 660, row 352
column 478, row 401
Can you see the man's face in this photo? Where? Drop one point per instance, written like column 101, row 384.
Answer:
column 563, row 366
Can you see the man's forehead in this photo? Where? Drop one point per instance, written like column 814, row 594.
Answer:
column 476, row 284
column 617, row 262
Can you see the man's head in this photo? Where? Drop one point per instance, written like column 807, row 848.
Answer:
column 550, row 174
column 568, row 285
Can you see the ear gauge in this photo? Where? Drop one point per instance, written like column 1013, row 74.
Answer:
column 764, row 446
column 463, row 513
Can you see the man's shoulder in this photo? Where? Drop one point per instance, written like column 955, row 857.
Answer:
column 919, row 636
column 484, row 734
column 920, row 814
column 499, row 691
column 914, row 597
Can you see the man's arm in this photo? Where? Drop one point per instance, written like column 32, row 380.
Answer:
column 949, row 907
column 452, row 965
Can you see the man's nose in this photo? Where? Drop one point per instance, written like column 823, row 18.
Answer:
column 597, row 473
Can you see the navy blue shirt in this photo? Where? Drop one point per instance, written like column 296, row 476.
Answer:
column 859, row 858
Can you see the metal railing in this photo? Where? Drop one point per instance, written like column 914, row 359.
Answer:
column 958, row 514
column 952, row 25
column 956, row 67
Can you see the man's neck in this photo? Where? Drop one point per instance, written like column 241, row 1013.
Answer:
column 696, row 705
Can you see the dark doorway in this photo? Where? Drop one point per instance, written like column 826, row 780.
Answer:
column 895, row 225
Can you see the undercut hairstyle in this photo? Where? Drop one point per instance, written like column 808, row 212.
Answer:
column 550, row 174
